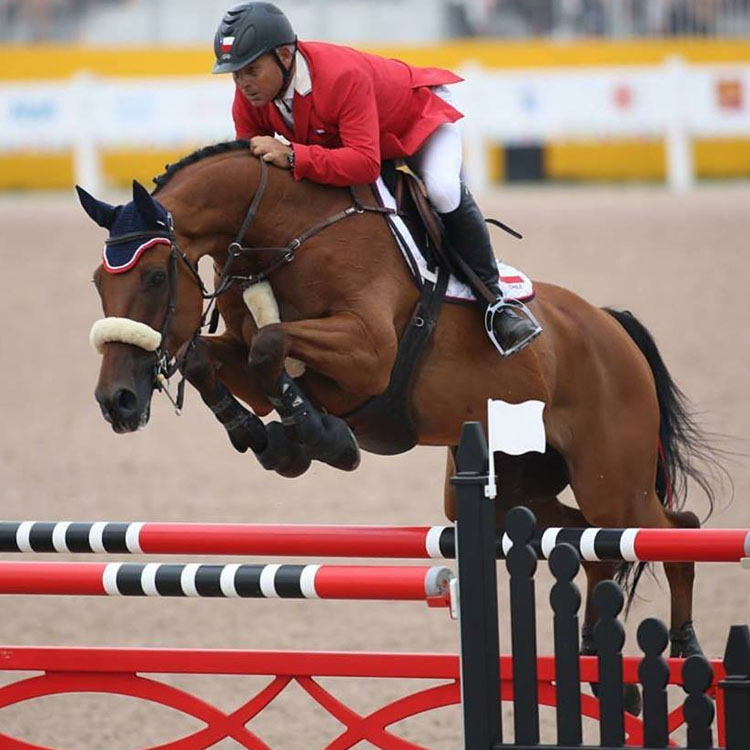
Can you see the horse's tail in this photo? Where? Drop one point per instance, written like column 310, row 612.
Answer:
column 684, row 453
column 683, row 447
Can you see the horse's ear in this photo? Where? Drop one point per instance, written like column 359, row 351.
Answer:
column 147, row 207
column 102, row 213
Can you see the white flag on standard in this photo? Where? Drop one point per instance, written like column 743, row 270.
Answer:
column 514, row 429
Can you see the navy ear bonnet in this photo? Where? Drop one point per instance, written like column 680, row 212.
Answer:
column 133, row 228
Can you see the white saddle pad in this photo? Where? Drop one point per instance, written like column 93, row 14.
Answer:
column 514, row 284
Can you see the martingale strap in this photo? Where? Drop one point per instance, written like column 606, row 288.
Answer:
column 384, row 424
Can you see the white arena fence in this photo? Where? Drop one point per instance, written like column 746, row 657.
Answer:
column 675, row 102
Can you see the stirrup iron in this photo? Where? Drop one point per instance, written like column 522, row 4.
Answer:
column 520, row 309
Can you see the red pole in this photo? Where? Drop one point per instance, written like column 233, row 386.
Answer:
column 692, row 545
column 382, row 582
column 66, row 578
column 287, row 539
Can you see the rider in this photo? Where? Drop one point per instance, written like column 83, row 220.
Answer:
column 343, row 111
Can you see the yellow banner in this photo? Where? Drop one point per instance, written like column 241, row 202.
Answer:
column 53, row 62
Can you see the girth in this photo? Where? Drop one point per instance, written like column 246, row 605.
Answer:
column 385, row 424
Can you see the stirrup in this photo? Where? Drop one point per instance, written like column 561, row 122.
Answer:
column 519, row 308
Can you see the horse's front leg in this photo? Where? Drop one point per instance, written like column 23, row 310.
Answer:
column 339, row 347
column 217, row 367
column 202, row 359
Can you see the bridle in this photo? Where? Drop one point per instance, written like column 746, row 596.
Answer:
column 167, row 364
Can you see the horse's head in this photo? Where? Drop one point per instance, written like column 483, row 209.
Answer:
column 142, row 277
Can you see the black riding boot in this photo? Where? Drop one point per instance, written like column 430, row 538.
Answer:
column 468, row 235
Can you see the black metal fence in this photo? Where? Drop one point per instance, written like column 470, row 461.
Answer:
column 481, row 679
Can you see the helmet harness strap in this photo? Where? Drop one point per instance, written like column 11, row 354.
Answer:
column 286, row 73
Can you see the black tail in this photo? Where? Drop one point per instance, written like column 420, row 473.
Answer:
column 683, row 445
column 685, row 454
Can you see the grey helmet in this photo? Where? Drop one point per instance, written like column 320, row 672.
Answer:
column 247, row 31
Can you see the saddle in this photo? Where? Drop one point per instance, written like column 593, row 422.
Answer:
column 425, row 227
column 414, row 206
column 399, row 187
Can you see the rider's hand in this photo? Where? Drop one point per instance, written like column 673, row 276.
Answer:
column 271, row 150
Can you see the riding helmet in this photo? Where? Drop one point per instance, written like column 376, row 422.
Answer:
column 246, row 32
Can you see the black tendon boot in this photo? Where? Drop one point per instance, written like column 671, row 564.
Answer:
column 468, row 235
column 324, row 437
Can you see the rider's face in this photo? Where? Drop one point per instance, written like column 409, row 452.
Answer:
column 261, row 80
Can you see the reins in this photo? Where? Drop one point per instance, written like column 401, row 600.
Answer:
column 287, row 252
column 167, row 364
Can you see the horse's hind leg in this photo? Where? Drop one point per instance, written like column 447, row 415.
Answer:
column 651, row 514
column 680, row 576
column 642, row 508
column 551, row 512
column 682, row 636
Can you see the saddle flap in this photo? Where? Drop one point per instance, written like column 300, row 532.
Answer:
column 425, row 212
column 418, row 247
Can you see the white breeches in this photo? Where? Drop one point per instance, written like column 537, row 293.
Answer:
column 439, row 162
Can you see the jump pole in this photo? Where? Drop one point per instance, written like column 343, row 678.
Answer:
column 406, row 583
column 407, row 542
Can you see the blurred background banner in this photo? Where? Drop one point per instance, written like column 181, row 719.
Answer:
column 101, row 91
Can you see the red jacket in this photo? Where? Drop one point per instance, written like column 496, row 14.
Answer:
column 361, row 110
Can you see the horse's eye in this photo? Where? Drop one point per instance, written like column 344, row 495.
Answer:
column 155, row 279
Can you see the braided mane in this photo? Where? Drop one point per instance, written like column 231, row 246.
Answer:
column 202, row 153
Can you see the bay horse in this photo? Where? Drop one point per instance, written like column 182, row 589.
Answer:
column 618, row 429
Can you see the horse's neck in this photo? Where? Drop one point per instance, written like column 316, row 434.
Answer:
column 289, row 208
column 209, row 202
column 211, row 199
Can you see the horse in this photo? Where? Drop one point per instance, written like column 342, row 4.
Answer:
column 619, row 431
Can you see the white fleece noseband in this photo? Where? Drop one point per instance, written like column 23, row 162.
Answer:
column 259, row 299
column 123, row 331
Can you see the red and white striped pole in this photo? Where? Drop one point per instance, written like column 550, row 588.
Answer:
column 418, row 542
column 405, row 583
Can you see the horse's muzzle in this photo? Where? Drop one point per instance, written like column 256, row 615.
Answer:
column 125, row 387
column 123, row 411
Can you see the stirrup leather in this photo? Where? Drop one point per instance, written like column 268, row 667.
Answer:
column 517, row 307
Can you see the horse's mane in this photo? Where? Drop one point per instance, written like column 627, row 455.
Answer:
column 202, row 153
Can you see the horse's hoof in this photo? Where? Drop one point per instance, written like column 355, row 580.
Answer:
column 335, row 445
column 250, row 433
column 631, row 695
column 684, row 642
column 347, row 456
column 282, row 455
column 631, row 699
column 329, row 440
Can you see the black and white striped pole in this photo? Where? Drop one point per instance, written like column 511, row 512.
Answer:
column 274, row 581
